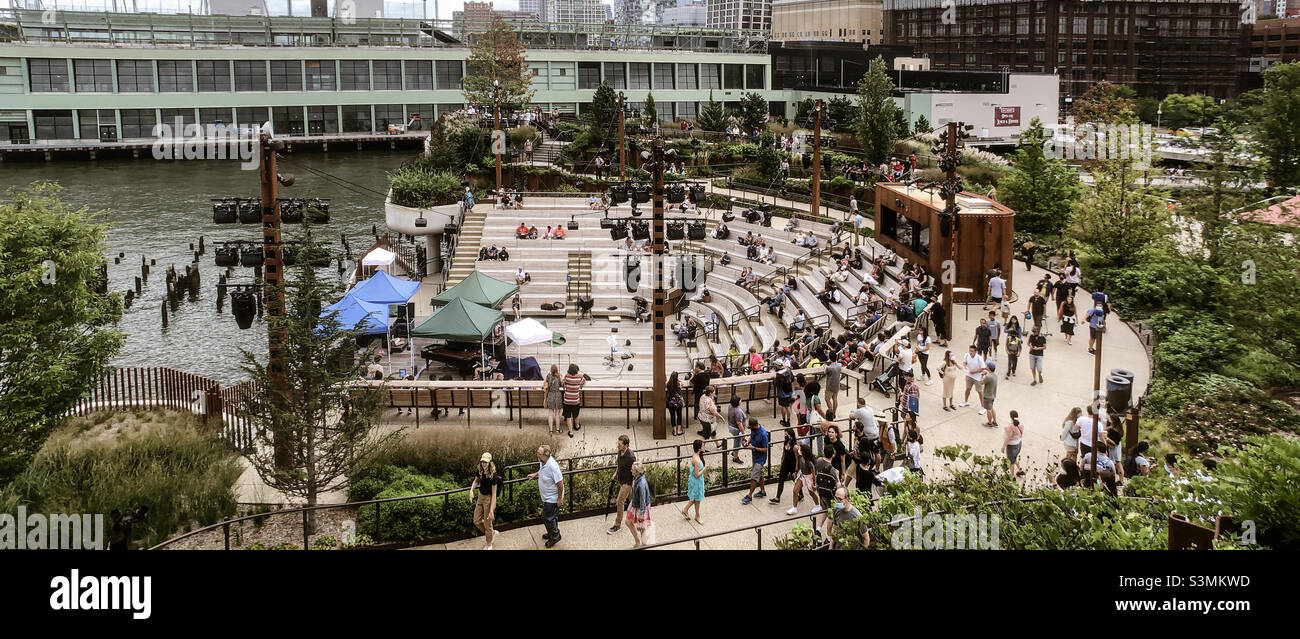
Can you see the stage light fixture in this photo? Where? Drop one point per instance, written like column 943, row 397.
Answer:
column 225, row 212
column 250, row 211
column 676, row 194
column 227, row 255
column 696, row 231
column 675, row 230
column 618, row 232
column 244, row 307
column 250, row 255
column 640, row 231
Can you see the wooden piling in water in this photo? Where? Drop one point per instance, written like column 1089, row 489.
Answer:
column 164, row 315
column 138, row 284
column 202, row 248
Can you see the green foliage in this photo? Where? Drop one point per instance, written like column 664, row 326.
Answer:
column 360, row 541
column 843, row 113
column 1259, row 485
column 753, row 112
column 1276, row 123
column 1120, row 223
column 416, row 185
column 1041, row 190
column 803, row 110
column 497, row 56
column 712, row 117
column 1195, row 348
column 602, row 117
column 649, row 112
column 923, row 125
column 325, row 542
column 877, row 114
column 284, row 545
column 413, row 519
column 257, row 545
column 800, row 538
column 1169, row 282
column 1106, row 103
column 1180, row 110
column 769, row 159
column 56, row 327
column 158, row 459
column 452, row 452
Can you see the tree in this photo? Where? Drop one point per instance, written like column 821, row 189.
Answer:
column 323, row 419
column 1180, row 110
column 803, row 110
column 769, row 160
column 1106, row 103
column 498, row 57
column 712, row 117
column 1276, row 125
column 877, row 113
column 1121, row 223
column 753, row 112
column 648, row 112
column 57, row 333
column 922, row 125
column 1225, row 182
column 843, row 114
column 603, row 115
column 1042, row 190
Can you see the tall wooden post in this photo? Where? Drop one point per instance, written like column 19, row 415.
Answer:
column 496, row 126
column 622, row 138
column 1096, row 399
column 816, row 182
column 273, row 281
column 660, row 356
column 949, row 276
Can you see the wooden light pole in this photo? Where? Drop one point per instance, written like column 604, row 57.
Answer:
column 496, row 126
column 954, row 130
column 660, row 406
column 273, row 280
column 1096, row 400
column 622, row 139
column 816, row 182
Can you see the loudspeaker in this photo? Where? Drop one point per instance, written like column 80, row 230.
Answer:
column 291, row 211
column 697, row 193
column 227, row 255
column 244, row 307
column 250, row 211
column 250, row 255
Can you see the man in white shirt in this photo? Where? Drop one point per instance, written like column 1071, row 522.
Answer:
column 905, row 359
column 974, row 374
column 1085, row 422
column 997, row 288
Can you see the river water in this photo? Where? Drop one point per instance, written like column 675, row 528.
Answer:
column 158, row 208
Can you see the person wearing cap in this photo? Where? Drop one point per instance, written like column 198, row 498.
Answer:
column 486, row 480
column 988, row 393
column 1037, row 346
column 906, row 357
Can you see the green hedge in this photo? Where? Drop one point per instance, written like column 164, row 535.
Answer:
column 418, row 184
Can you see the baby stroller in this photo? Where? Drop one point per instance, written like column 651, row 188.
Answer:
column 884, row 382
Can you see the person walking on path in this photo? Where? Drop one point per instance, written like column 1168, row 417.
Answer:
column 736, row 420
column 695, row 481
column 638, row 510
column 989, row 392
column 948, row 373
column 922, row 351
column 709, row 414
column 1069, row 317
column 912, row 393
column 675, row 404
column 983, row 338
column 975, row 368
column 997, row 288
column 550, row 484
column 827, row 480
column 1037, row 308
column 1011, row 441
column 573, row 383
column 833, row 372
column 1013, row 347
column 1070, row 433
column 757, row 445
column 803, row 477
column 486, row 481
column 995, row 334
column 1027, row 250
column 622, row 475
column 1096, row 318
column 553, row 387
column 787, row 468
column 1037, row 347
column 914, row 453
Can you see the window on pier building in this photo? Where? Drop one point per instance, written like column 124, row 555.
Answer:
column 419, row 75
column 286, row 75
column 639, row 77
column 686, row 77
column 54, row 124
column 138, row 123
column 176, row 76
column 48, row 75
column 250, row 75
column 588, row 75
column 449, row 73
column 664, row 76
column 321, row 75
column 354, row 75
column 93, row 76
column 356, row 118
column 214, row 75
column 710, row 76
column 388, row 75
column 135, row 76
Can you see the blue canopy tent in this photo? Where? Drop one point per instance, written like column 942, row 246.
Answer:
column 371, row 319
column 383, row 288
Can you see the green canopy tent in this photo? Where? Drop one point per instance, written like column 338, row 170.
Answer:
column 478, row 288
column 460, row 321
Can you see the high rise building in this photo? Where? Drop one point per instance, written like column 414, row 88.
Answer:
column 740, row 14
column 686, row 14
column 1157, row 47
column 534, row 6
column 575, row 11
column 834, row 20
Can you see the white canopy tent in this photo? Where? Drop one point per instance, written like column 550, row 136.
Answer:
column 379, row 257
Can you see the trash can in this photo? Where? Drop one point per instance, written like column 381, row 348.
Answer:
column 1119, row 392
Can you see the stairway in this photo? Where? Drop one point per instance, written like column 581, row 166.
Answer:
column 579, row 281
column 471, row 234
column 549, row 151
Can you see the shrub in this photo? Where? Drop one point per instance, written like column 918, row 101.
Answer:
column 452, row 452
column 257, row 545
column 1194, row 348
column 1259, row 485
column 417, row 185
column 799, row 538
column 286, row 546
column 159, row 459
column 360, row 541
column 325, row 542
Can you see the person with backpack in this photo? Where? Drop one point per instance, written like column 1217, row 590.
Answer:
column 1012, row 441
column 889, row 446
column 1136, row 463
column 787, row 470
column 758, row 444
column 827, row 480
column 488, row 482
column 804, row 477
column 736, row 419
column 1013, row 351
column 784, row 382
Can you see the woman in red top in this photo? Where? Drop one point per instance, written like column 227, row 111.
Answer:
column 573, row 383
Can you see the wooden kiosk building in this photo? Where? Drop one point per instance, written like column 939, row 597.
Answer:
column 907, row 221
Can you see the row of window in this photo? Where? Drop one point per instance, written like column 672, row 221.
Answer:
column 51, row 75
column 92, row 124
column 1116, row 7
